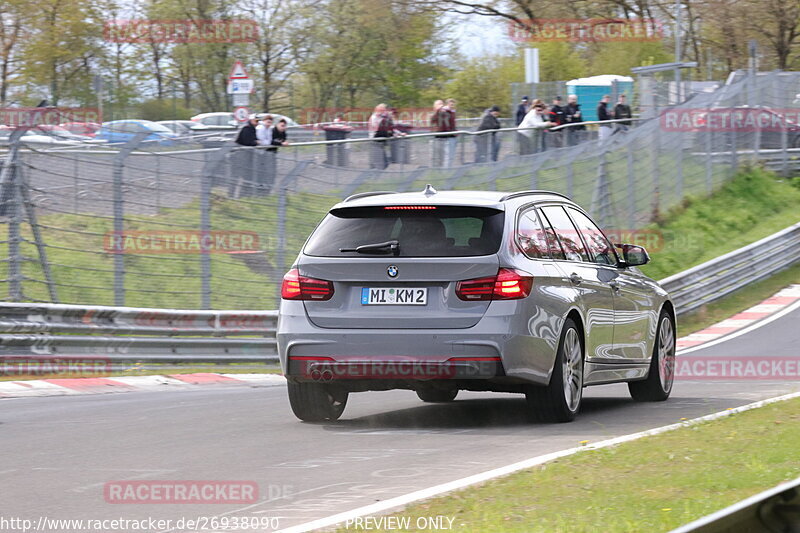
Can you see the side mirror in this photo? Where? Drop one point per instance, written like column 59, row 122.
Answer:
column 633, row 255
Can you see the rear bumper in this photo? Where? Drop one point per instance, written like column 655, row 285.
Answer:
column 327, row 369
column 500, row 347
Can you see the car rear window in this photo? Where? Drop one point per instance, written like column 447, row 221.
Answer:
column 424, row 231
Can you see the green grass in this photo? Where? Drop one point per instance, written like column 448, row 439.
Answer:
column 752, row 206
column 652, row 484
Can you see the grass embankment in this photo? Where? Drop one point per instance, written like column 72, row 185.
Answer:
column 653, row 484
column 753, row 205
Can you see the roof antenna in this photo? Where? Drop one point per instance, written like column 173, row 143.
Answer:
column 429, row 190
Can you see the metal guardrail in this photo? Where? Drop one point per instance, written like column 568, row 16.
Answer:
column 723, row 275
column 137, row 334
column 775, row 509
column 123, row 334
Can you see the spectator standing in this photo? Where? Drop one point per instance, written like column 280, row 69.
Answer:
column 603, row 114
column 264, row 131
column 487, row 145
column 265, row 159
column 532, row 127
column 279, row 133
column 381, row 127
column 245, row 161
column 558, row 117
column 572, row 115
column 522, row 110
column 623, row 110
column 519, row 116
column 446, row 121
column 247, row 135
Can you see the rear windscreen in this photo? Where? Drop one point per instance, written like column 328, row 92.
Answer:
column 429, row 231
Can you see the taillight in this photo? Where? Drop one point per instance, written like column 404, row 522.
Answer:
column 508, row 284
column 297, row 287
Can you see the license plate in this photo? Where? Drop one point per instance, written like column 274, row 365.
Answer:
column 394, row 296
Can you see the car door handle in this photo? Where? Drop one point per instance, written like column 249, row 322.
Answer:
column 575, row 279
column 614, row 286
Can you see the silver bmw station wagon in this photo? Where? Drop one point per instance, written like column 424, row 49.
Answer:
column 438, row 292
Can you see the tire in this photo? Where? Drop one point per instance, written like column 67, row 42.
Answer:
column 315, row 402
column 437, row 395
column 661, row 375
column 560, row 400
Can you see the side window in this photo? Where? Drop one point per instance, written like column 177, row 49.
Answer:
column 566, row 233
column 531, row 236
column 598, row 244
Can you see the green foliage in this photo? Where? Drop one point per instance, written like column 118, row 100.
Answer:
column 751, row 206
column 167, row 109
column 560, row 61
column 482, row 82
column 621, row 57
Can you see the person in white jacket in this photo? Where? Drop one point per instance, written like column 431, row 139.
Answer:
column 536, row 118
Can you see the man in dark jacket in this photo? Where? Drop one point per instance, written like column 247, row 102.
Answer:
column 572, row 115
column 602, row 114
column 622, row 110
column 246, row 162
column 555, row 139
column 488, row 144
column 279, row 133
column 522, row 110
column 247, row 135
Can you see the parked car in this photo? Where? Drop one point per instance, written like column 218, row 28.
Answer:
column 182, row 128
column 41, row 139
column 89, row 129
column 58, row 132
column 219, row 120
column 122, row 131
column 439, row 292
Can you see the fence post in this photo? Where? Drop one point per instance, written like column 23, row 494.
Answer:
column 709, row 159
column 656, row 169
column 119, row 214
column 679, row 170
column 212, row 166
column 631, row 188
column 779, row 93
column 283, row 186
column 11, row 206
column 601, row 195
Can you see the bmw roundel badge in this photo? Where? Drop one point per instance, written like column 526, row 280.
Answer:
column 392, row 271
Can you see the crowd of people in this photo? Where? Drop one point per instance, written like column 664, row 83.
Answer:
column 545, row 121
column 260, row 131
column 540, row 127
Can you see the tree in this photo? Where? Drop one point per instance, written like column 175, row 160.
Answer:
column 12, row 14
column 64, row 40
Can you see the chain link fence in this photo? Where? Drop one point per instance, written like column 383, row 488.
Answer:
column 216, row 228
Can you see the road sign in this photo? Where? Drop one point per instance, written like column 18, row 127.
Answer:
column 241, row 99
column 241, row 114
column 238, row 72
column 241, row 86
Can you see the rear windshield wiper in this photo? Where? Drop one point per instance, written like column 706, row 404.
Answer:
column 388, row 246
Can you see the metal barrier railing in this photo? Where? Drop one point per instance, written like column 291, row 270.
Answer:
column 123, row 334
column 719, row 277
